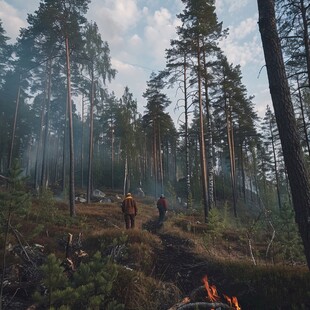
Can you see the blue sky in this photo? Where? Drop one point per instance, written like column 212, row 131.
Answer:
column 139, row 31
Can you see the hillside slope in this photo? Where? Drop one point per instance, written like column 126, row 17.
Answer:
column 163, row 265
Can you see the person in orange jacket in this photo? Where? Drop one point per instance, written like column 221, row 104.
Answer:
column 130, row 210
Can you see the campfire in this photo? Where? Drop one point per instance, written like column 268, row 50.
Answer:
column 206, row 297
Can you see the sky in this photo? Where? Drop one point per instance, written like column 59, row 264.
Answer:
column 139, row 31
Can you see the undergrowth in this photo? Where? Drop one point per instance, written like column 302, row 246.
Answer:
column 243, row 256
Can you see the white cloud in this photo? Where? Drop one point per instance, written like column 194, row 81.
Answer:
column 245, row 28
column 262, row 98
column 160, row 30
column 126, row 69
column 114, row 17
column 12, row 21
column 231, row 6
column 135, row 41
column 243, row 54
column 243, row 46
column 219, row 4
column 145, row 11
column 130, row 75
column 235, row 6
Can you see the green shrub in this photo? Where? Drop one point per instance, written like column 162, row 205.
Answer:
column 90, row 287
column 215, row 227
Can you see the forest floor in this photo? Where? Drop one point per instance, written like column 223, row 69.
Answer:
column 179, row 256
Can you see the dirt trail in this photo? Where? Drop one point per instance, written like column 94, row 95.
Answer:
column 176, row 263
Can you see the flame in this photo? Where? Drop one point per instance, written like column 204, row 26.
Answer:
column 211, row 290
column 228, row 299
column 235, row 303
column 213, row 295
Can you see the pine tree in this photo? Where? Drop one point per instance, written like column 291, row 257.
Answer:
column 155, row 121
column 290, row 140
column 90, row 287
column 271, row 137
column 288, row 241
column 201, row 28
column 13, row 201
column 97, row 65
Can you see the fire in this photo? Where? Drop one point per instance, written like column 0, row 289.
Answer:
column 213, row 295
column 233, row 302
column 211, row 290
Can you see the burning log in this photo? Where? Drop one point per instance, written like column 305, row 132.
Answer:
column 203, row 306
column 206, row 297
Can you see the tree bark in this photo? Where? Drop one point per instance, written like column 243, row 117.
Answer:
column 302, row 110
column 155, row 158
column 305, row 23
column 287, row 125
column 209, row 138
column 71, row 142
column 91, row 139
column 82, row 146
column 46, row 129
column 275, row 162
column 38, row 159
column 203, row 161
column 232, row 159
column 14, row 125
column 186, row 139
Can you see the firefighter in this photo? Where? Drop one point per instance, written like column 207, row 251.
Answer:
column 130, row 210
column 162, row 206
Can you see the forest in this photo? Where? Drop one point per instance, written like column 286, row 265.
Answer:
column 229, row 175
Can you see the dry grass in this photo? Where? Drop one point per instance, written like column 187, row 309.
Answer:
column 139, row 284
column 140, row 292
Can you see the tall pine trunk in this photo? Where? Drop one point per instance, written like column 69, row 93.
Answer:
column 91, row 140
column 188, row 174
column 305, row 22
column 160, row 163
column 275, row 163
column 209, row 136
column 304, row 123
column 14, row 126
column 231, row 148
column 202, row 142
column 82, row 146
column 155, row 158
column 287, row 125
column 71, row 141
column 46, row 129
column 40, row 141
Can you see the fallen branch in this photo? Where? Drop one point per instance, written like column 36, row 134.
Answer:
column 4, row 178
column 272, row 237
column 17, row 234
column 251, row 250
column 11, row 299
